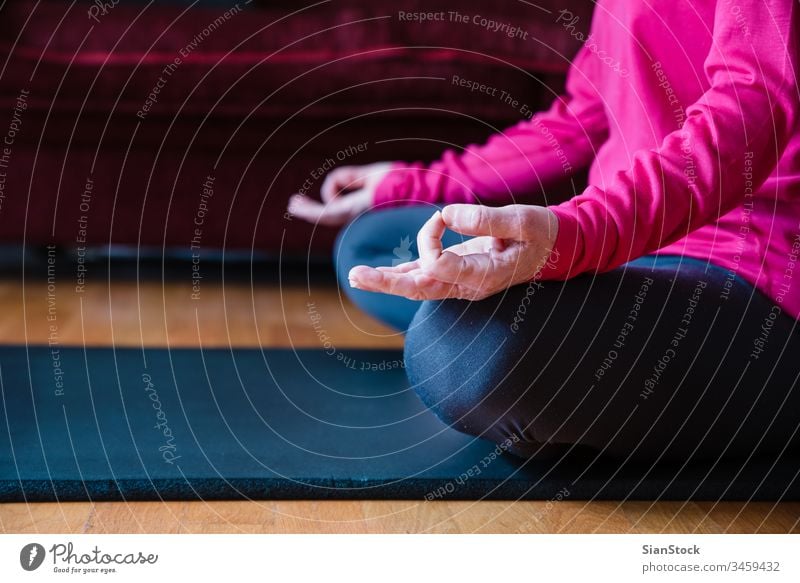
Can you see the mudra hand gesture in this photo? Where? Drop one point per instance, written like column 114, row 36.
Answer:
column 510, row 245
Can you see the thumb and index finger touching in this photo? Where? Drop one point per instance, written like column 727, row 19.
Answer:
column 467, row 219
column 339, row 180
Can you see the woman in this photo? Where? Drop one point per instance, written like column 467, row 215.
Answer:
column 653, row 316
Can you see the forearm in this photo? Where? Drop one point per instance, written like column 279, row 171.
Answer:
column 517, row 164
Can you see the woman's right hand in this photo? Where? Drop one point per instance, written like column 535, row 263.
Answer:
column 346, row 192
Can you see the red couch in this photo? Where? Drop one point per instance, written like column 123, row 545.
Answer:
column 170, row 125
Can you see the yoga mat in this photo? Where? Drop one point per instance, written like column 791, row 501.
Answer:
column 131, row 424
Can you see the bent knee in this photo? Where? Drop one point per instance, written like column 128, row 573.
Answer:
column 481, row 378
column 355, row 241
column 452, row 369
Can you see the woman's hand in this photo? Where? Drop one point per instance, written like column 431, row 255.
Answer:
column 511, row 246
column 346, row 192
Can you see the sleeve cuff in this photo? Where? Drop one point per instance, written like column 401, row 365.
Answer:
column 565, row 252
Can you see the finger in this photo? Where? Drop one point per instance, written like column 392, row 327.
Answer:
column 400, row 284
column 401, row 268
column 334, row 214
column 305, row 208
column 508, row 222
column 477, row 245
column 339, row 180
column 413, row 287
column 476, row 271
column 334, row 182
column 429, row 239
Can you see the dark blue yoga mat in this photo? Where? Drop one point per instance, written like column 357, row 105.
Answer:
column 114, row 424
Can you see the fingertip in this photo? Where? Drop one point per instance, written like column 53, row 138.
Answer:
column 294, row 205
column 296, row 198
column 438, row 219
column 447, row 213
column 360, row 273
column 450, row 213
column 435, row 218
column 352, row 277
column 356, row 270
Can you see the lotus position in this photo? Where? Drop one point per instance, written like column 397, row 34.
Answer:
column 652, row 316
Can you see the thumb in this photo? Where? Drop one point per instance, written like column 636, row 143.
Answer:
column 340, row 179
column 516, row 221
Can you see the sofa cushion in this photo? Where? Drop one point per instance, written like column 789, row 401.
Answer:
column 260, row 102
column 271, row 59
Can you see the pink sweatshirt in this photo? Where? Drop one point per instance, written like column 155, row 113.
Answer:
column 687, row 111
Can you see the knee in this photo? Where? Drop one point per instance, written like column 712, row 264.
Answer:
column 477, row 376
column 450, row 368
column 355, row 241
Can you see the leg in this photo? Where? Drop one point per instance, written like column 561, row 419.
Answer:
column 386, row 237
column 648, row 361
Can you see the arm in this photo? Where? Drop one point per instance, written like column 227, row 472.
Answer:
column 551, row 145
column 749, row 112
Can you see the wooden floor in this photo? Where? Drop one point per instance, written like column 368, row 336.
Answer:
column 156, row 314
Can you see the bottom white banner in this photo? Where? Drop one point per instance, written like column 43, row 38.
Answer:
column 371, row 558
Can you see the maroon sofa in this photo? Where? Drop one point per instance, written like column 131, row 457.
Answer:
column 106, row 137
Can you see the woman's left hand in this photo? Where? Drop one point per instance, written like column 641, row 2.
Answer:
column 511, row 245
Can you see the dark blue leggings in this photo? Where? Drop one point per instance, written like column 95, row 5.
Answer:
column 664, row 358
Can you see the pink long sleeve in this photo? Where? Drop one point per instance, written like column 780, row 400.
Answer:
column 519, row 161
column 744, row 120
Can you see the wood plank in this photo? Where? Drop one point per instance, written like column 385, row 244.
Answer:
column 155, row 314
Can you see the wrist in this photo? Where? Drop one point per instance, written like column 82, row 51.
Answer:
column 563, row 244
